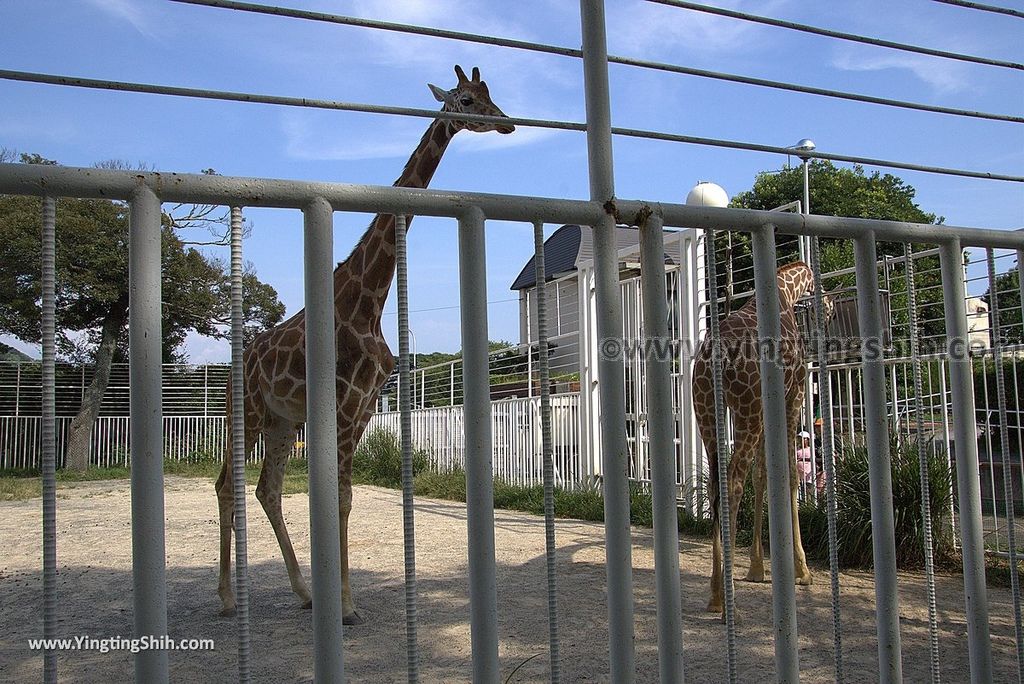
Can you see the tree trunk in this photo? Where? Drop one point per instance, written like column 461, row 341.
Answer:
column 79, row 442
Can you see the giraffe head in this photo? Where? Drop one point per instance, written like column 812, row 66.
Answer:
column 470, row 96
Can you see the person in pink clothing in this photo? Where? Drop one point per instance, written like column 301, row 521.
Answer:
column 803, row 461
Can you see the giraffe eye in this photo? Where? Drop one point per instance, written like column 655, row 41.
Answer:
column 466, row 101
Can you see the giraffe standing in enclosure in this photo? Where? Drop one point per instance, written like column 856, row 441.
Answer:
column 741, row 393
column 275, row 362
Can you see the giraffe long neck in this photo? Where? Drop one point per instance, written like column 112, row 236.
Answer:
column 371, row 265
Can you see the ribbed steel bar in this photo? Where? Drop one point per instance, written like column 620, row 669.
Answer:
column 662, row 431
column 547, row 451
column 961, row 385
column 405, row 412
column 876, row 439
column 777, row 448
column 483, row 592
column 149, row 573
column 828, row 456
column 49, row 436
column 1004, row 448
column 722, row 457
column 611, row 374
column 322, row 442
column 922, row 456
column 238, row 450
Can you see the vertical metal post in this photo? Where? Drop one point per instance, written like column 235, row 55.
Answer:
column 883, row 526
column 405, row 422
column 483, row 594
column 618, row 549
column 777, row 446
column 972, row 541
column 237, row 400
column 540, row 271
column 322, row 442
column 49, row 437
column 1004, row 448
column 149, row 580
column 662, row 452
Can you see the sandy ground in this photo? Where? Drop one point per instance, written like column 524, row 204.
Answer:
column 95, row 594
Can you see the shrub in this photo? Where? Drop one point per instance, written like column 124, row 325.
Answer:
column 853, row 508
column 378, row 460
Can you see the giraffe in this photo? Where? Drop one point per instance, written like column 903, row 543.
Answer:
column 741, row 389
column 275, row 362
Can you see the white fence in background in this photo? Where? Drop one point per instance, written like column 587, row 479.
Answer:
column 436, row 431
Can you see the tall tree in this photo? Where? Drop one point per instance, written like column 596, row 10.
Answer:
column 847, row 192
column 92, row 292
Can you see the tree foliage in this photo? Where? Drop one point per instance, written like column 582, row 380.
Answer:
column 847, row 192
column 92, row 289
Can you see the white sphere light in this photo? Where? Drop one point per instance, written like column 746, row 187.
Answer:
column 706, row 194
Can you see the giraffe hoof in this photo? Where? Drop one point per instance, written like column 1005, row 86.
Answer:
column 714, row 607
column 352, row 618
column 805, row 581
column 307, row 604
column 754, row 575
column 227, row 611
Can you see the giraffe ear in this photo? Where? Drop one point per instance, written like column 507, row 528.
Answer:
column 439, row 94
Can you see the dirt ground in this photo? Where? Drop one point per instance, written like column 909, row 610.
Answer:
column 95, row 598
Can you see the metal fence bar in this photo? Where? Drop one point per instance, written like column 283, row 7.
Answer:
column 32, row 179
column 540, row 272
column 1004, row 448
column 828, row 456
column 238, row 449
column 483, row 592
column 405, row 410
column 777, row 447
column 322, row 442
column 883, row 534
column 611, row 374
column 661, row 417
column 972, row 540
column 49, row 437
column 149, row 575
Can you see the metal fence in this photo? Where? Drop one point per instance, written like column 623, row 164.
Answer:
column 317, row 201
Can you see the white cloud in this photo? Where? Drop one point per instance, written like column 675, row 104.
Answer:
column 683, row 30
column 942, row 75
column 130, row 11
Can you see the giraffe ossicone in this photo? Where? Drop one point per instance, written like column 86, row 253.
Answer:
column 741, row 393
column 275, row 362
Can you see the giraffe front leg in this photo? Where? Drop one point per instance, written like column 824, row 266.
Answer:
column 716, row 603
column 226, row 506
column 348, row 606
column 801, row 572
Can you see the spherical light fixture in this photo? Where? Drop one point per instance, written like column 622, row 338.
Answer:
column 706, row 194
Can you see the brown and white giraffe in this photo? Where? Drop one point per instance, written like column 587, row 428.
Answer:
column 741, row 389
column 275, row 362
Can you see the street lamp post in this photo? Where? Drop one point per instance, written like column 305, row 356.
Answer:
column 804, row 146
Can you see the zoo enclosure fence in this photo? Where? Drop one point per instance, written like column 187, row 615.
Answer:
column 144, row 192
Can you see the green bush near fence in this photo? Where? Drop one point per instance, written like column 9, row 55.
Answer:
column 853, row 509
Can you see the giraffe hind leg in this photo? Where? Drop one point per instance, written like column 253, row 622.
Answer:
column 759, row 476
column 268, row 492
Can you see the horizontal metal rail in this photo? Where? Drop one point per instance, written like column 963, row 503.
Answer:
column 986, row 8
column 829, row 33
column 33, row 179
column 544, row 48
column 259, row 98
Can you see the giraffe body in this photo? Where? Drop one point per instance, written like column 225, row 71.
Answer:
column 741, row 385
column 275, row 362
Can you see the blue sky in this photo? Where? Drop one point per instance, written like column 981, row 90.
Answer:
column 168, row 43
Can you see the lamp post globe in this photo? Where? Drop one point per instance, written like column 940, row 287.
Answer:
column 706, row 194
